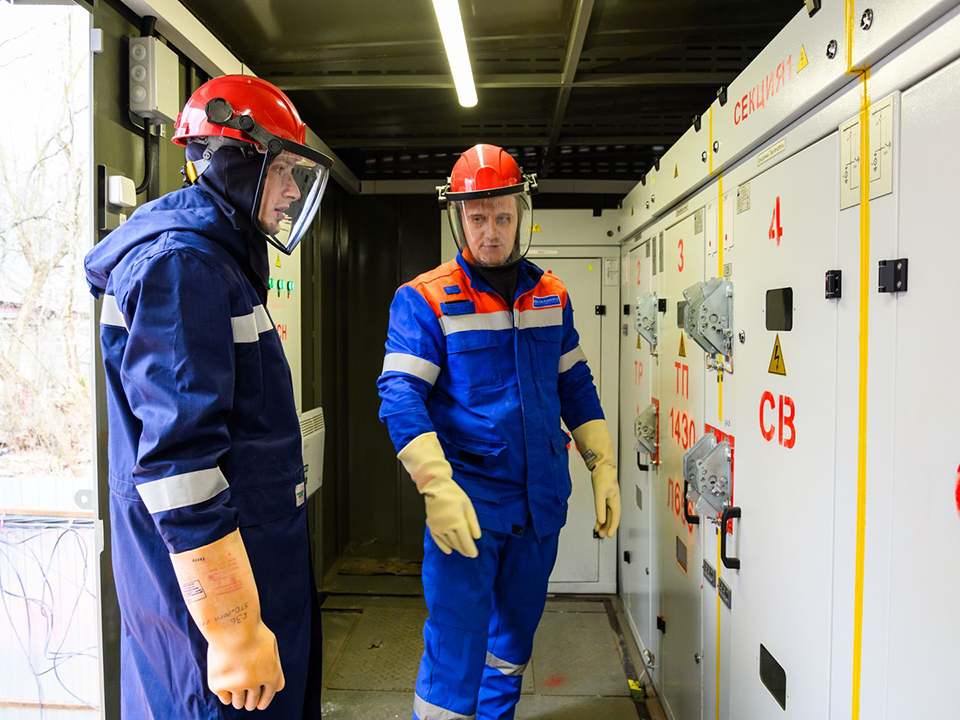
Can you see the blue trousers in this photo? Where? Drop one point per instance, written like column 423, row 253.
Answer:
column 163, row 672
column 483, row 616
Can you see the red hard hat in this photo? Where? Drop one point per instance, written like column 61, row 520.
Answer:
column 247, row 95
column 484, row 167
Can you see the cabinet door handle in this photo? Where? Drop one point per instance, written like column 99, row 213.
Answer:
column 729, row 513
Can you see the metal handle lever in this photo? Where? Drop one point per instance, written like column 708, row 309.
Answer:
column 640, row 465
column 691, row 519
column 729, row 513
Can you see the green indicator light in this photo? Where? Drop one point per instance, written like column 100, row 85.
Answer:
column 280, row 284
column 289, row 284
column 271, row 283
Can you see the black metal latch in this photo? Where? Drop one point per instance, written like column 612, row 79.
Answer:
column 834, row 285
column 601, row 309
column 893, row 276
column 661, row 624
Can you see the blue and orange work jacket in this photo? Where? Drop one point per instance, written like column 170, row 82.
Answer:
column 494, row 383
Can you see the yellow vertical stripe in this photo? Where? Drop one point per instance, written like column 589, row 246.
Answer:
column 716, row 694
column 862, row 387
column 848, row 17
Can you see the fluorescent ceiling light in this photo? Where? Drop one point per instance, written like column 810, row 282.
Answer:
column 455, row 43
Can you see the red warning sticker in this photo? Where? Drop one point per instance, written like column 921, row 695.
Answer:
column 958, row 490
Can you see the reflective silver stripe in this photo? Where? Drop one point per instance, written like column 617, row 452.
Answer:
column 548, row 317
column 427, row 711
column 181, row 490
column 264, row 323
column 507, row 668
column 110, row 313
column 412, row 365
column 247, row 328
column 499, row 320
column 568, row 360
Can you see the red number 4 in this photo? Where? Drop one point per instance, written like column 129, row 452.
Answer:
column 776, row 232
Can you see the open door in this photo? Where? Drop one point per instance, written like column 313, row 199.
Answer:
column 49, row 553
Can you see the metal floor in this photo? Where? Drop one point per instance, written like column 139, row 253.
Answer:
column 583, row 656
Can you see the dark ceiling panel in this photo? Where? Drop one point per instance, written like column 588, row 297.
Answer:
column 371, row 77
column 423, row 113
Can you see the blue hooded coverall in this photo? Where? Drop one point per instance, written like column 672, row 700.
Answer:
column 494, row 383
column 204, row 439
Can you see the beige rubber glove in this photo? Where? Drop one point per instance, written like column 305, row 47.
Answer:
column 596, row 447
column 243, row 662
column 451, row 519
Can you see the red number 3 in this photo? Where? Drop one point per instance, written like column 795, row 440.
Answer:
column 680, row 264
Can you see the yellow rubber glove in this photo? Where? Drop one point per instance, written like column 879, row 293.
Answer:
column 451, row 519
column 596, row 447
column 243, row 662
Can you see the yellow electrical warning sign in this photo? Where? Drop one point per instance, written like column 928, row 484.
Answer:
column 683, row 348
column 776, row 361
column 278, row 261
column 802, row 62
column 536, row 227
column 676, row 171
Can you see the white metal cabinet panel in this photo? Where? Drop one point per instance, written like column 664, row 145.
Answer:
column 680, row 263
column 713, row 607
column 879, row 26
column 784, row 460
column 638, row 506
column 710, row 613
column 879, row 455
column 924, row 625
column 629, row 475
column 284, row 306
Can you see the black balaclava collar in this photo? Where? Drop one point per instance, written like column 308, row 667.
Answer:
column 502, row 278
column 232, row 180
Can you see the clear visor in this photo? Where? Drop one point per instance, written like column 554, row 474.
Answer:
column 291, row 187
column 492, row 231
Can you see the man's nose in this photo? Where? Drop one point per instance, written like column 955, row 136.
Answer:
column 291, row 190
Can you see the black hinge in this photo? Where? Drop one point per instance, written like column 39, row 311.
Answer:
column 893, row 275
column 601, row 309
column 662, row 304
column 813, row 7
column 626, row 556
column 626, row 309
column 661, row 624
column 834, row 285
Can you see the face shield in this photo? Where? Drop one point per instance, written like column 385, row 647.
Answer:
column 491, row 227
column 288, row 197
column 292, row 180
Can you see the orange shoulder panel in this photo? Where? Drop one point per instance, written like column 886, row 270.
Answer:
column 431, row 284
